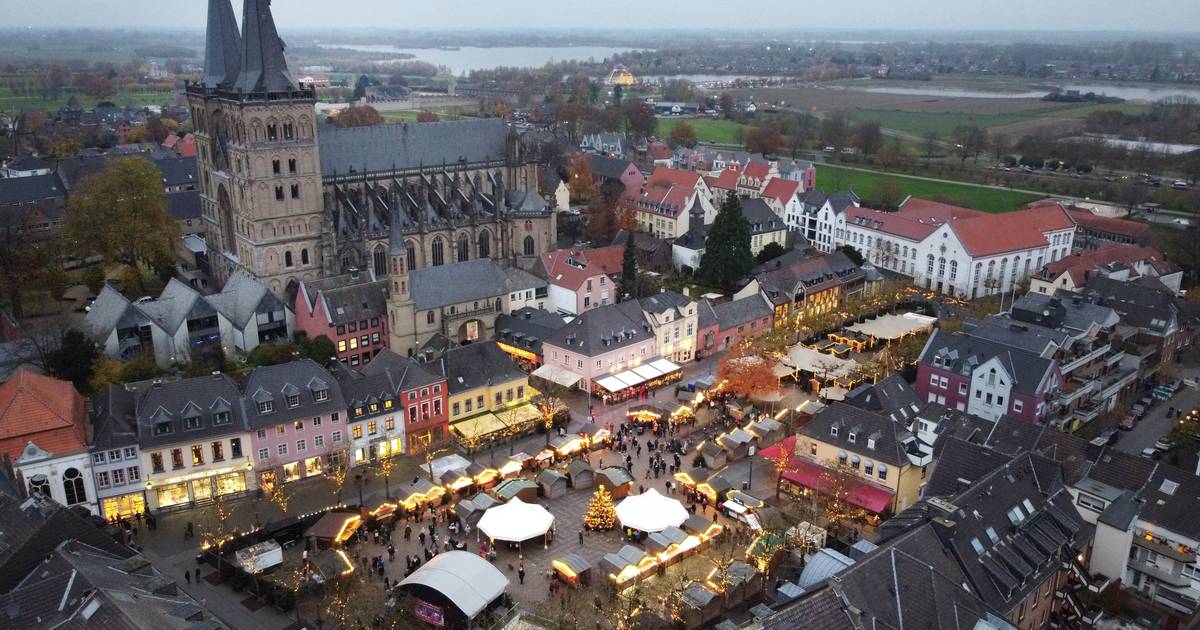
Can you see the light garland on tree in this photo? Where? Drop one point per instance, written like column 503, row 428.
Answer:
column 601, row 514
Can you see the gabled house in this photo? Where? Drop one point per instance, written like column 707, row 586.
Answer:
column 583, row 279
column 721, row 325
column 619, row 170
column 1117, row 262
column 673, row 319
column 116, row 456
column 420, row 392
column 814, row 284
column 351, row 310
column 662, row 206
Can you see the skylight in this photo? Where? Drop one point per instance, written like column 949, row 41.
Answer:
column 1169, row 487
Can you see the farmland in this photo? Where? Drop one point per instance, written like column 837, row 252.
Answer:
column 13, row 102
column 979, row 197
column 711, row 130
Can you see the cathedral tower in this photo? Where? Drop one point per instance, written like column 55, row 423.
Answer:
column 258, row 161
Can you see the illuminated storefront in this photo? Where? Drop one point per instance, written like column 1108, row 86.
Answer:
column 196, row 488
column 126, row 505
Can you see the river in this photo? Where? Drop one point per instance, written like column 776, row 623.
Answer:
column 1127, row 92
column 463, row 60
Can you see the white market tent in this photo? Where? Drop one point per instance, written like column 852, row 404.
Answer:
column 892, row 326
column 827, row 366
column 556, row 375
column 651, row 512
column 464, row 578
column 445, row 464
column 516, row 521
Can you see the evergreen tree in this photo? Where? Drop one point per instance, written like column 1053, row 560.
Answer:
column 601, row 513
column 727, row 248
column 629, row 270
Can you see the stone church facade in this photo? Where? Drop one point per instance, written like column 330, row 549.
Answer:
column 288, row 199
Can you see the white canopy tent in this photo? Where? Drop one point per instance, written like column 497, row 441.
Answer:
column 823, row 365
column 556, row 375
column 516, row 521
column 892, row 326
column 442, row 465
column 467, row 580
column 651, row 512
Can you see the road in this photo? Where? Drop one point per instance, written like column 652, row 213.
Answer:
column 1156, row 424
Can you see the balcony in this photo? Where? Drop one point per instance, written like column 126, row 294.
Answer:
column 1084, row 359
column 1114, row 358
column 475, row 312
column 1113, row 386
column 1074, row 390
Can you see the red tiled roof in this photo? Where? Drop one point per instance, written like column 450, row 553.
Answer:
column 43, row 410
column 757, row 170
column 895, row 223
column 781, row 189
column 1112, row 225
column 937, row 212
column 601, row 260
column 990, row 234
column 727, row 180
column 660, row 151
column 1081, row 265
column 674, row 176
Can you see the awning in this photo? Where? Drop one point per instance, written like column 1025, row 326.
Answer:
column 651, row 512
column 869, row 497
column 665, row 366
column 630, row 378
column 611, row 384
column 647, row 372
column 786, row 445
column 556, row 375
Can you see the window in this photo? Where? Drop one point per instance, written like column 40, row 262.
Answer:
column 372, row 428
column 883, row 472
column 218, row 451
column 962, row 389
column 429, row 317
column 529, row 246
column 279, row 193
column 130, row 452
column 933, row 380
column 281, row 449
column 337, row 437
column 262, row 434
column 1018, row 406
column 833, row 430
column 295, row 191
column 455, row 409
column 438, row 250
column 291, row 165
column 301, row 446
column 390, row 424
column 266, row 407
column 176, row 458
column 263, row 454
column 412, row 412
column 221, row 417
column 321, row 395
column 280, row 429
column 235, row 447
column 294, row 401
column 869, row 467
column 134, row 473
column 316, row 421
column 163, row 428
column 114, row 455
column 98, row 458
column 304, row 256
column 319, row 441
column 197, row 455
column 156, row 462
column 357, row 431
column 102, row 480
column 73, row 487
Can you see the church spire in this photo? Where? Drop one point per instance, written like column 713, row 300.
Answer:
column 263, row 68
column 222, row 46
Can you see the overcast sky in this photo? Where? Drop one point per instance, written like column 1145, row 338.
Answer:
column 1106, row 15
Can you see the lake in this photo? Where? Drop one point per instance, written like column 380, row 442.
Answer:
column 467, row 58
column 1127, row 92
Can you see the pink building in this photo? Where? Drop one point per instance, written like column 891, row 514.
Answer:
column 613, row 169
column 583, row 279
column 351, row 310
column 297, row 421
column 601, row 342
column 723, row 325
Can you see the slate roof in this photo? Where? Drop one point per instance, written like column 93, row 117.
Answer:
column 301, row 379
column 517, row 279
column 961, row 353
column 1072, row 312
column 114, row 418
column 403, row 373
column 665, row 301
column 178, row 171
column 204, row 396
column 242, row 297
column 603, row 329
column 734, row 313
column 1039, row 340
column 346, row 298
column 959, row 464
column 892, row 397
column 15, row 191
column 761, row 217
column 889, row 436
column 32, row 529
column 263, row 67
column 527, row 328
column 222, row 47
column 811, row 274
column 403, row 146
column 184, row 205
column 476, row 365
column 436, row 287
column 360, row 390
column 609, row 167
column 27, row 163
column 1145, row 303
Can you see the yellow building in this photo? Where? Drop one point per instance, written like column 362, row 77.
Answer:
column 488, row 394
column 877, row 463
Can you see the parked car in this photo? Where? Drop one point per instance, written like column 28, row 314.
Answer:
column 1138, row 410
column 1128, row 422
column 1180, row 185
column 1110, row 435
column 1151, row 453
column 1163, row 444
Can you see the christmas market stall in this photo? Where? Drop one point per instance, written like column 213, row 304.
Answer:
column 650, row 512
column 598, row 436
column 418, row 493
column 742, row 583
column 517, row 522
column 454, row 588
column 457, row 481
column 736, row 443
column 469, row 511
column 713, row 455
column 328, row 565
column 581, row 475
column 520, row 488
column 482, row 476
column 766, row 432
column 515, row 464
column 628, row 564
column 700, row 606
column 616, row 480
column 637, row 381
column 701, row 527
column 645, row 415
column 715, row 487
column 890, row 327
column 573, row 569
column 553, row 483
column 568, row 445
column 333, row 529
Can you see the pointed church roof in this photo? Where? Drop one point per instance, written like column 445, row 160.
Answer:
column 396, row 246
column 263, row 68
column 222, row 46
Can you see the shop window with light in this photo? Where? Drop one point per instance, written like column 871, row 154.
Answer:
column 197, row 454
column 156, row 462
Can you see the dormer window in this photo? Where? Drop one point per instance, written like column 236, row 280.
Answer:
column 293, row 400
column 871, row 444
column 266, row 406
column 191, row 423
column 852, row 437
column 321, row 395
column 163, row 428
column 833, row 430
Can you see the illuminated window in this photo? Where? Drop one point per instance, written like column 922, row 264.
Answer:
column 357, row 431
column 372, row 428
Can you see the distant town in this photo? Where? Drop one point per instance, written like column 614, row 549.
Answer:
column 756, row 335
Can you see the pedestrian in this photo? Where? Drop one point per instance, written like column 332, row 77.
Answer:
column 187, row 575
column 392, row 553
column 197, row 575
column 421, row 536
column 189, row 532
column 521, row 573
column 581, row 537
column 408, row 532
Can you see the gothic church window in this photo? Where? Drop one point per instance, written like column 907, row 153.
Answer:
column 287, row 259
column 304, row 256
column 379, row 261
column 464, row 249
column 411, row 258
column 73, row 487
column 439, row 252
column 485, row 244
column 529, row 247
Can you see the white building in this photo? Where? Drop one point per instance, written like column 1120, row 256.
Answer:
column 953, row 250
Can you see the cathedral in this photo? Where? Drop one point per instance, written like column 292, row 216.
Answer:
column 288, row 199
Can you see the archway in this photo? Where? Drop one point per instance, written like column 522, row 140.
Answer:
column 471, row 330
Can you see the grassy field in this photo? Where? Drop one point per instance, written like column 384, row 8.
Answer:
column 11, row 103
column 831, row 178
column 943, row 123
column 717, row 130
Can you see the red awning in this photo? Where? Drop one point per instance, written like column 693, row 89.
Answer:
column 864, row 495
column 787, row 444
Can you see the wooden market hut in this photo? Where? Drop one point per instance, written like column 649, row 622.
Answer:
column 334, row 528
column 701, row 606
column 615, row 479
column 743, row 583
column 766, row 432
column 716, row 486
column 580, row 474
column 457, row 480
column 520, row 488
column 553, row 483
column 469, row 511
column 573, row 569
column 419, row 492
column 568, row 445
column 714, row 455
column 481, row 475
column 598, row 436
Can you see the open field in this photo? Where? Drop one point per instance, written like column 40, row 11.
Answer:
column 979, row 197
column 714, row 130
column 11, row 103
column 410, row 115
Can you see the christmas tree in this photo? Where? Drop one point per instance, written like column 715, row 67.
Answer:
column 600, row 512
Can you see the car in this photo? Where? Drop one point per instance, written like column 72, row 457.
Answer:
column 1191, row 382
column 1179, row 184
column 1138, row 410
column 1151, row 453
column 1163, row 444
column 1110, row 435
column 1128, row 422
